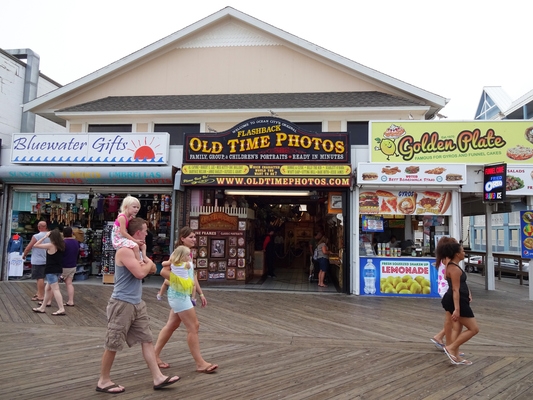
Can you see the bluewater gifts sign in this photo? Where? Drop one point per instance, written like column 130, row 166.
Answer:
column 90, row 148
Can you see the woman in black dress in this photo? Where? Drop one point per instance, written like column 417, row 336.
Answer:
column 456, row 303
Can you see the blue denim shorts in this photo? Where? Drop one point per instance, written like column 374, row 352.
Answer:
column 52, row 278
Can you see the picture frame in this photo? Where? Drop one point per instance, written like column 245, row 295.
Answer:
column 202, row 275
column 241, row 252
column 334, row 202
column 222, row 266
column 218, row 248
column 233, row 241
column 202, row 241
column 202, row 252
column 193, row 224
column 241, row 275
column 231, row 273
column 213, row 266
column 201, row 263
column 242, row 225
column 232, row 262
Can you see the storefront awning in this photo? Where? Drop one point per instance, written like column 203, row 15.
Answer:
column 88, row 175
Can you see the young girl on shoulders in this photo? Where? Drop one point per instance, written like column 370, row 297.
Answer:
column 119, row 235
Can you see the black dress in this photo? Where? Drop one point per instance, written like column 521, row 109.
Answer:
column 464, row 297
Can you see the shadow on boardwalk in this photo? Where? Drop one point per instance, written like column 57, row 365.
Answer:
column 273, row 345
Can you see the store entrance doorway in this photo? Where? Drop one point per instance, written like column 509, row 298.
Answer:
column 292, row 221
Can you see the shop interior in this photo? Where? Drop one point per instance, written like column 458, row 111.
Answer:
column 402, row 235
column 295, row 216
column 92, row 213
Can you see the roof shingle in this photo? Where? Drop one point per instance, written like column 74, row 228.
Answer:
column 244, row 101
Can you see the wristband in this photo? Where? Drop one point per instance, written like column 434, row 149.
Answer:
column 202, row 295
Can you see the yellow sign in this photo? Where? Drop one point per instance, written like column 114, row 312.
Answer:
column 226, row 169
column 461, row 142
column 316, row 170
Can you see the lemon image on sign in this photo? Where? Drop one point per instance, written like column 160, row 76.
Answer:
column 386, row 146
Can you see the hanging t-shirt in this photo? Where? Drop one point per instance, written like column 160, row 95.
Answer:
column 112, row 203
column 16, row 244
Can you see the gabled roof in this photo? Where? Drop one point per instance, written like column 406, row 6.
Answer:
column 436, row 102
column 492, row 103
column 242, row 102
column 495, row 103
column 526, row 99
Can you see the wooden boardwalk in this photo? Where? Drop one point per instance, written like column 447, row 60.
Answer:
column 275, row 345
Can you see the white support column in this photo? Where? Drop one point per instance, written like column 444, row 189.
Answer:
column 489, row 261
column 354, row 204
column 529, row 200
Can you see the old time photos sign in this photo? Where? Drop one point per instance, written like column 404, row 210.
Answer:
column 267, row 140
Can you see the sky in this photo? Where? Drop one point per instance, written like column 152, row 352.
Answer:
column 452, row 48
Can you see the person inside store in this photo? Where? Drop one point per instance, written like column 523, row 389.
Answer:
column 323, row 260
column 127, row 318
column 269, row 250
column 186, row 237
column 312, row 246
column 393, row 243
column 38, row 259
column 456, row 303
column 55, row 250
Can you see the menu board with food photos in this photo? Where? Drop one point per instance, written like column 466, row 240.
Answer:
column 526, row 225
column 405, row 202
column 409, row 174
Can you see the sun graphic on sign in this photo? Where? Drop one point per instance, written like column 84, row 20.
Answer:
column 144, row 151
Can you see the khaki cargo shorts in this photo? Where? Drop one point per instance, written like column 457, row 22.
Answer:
column 128, row 323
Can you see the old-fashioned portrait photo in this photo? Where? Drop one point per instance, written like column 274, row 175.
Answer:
column 233, row 241
column 241, row 274
column 222, row 265
column 202, row 275
column 202, row 241
column 231, row 273
column 218, row 248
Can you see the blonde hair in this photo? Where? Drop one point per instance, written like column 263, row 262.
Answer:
column 128, row 201
column 180, row 255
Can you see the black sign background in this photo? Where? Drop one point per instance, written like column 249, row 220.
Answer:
column 267, row 140
column 494, row 182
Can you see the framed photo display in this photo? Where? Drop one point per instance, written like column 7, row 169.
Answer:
column 202, row 275
column 241, row 275
column 218, row 248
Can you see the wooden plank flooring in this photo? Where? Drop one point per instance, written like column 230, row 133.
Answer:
column 273, row 345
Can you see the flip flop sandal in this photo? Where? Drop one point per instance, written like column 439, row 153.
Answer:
column 451, row 357
column 437, row 344
column 107, row 389
column 41, row 303
column 165, row 383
